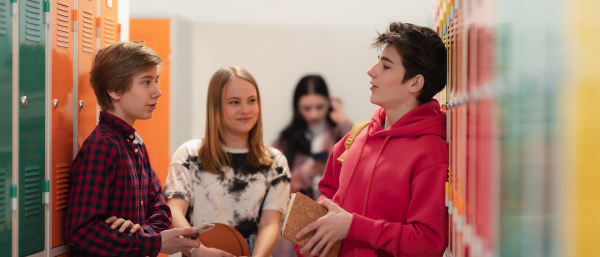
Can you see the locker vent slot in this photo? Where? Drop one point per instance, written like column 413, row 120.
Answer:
column 3, row 197
column 33, row 20
column 88, row 32
column 62, row 186
column 63, row 25
column 4, row 17
column 110, row 31
column 33, row 191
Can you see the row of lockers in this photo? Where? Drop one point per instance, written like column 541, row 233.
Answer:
column 521, row 100
column 47, row 109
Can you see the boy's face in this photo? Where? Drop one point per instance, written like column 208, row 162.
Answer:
column 387, row 88
column 141, row 99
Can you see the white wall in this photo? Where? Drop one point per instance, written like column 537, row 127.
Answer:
column 279, row 42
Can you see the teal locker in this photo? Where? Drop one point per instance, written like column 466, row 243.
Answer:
column 31, row 126
column 6, row 125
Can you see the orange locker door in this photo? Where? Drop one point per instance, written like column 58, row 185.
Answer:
column 62, row 116
column 155, row 131
column 86, row 103
column 109, row 27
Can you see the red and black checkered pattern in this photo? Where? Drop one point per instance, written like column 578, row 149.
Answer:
column 112, row 176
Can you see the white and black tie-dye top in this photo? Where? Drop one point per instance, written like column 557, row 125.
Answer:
column 235, row 196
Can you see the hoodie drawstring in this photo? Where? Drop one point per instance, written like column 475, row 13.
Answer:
column 355, row 164
column 364, row 211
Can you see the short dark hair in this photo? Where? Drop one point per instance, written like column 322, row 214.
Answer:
column 422, row 52
column 115, row 64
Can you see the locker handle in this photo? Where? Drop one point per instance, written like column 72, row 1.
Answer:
column 73, row 20
column 46, row 191
column 24, row 100
column 14, row 7
column 46, row 12
column 13, row 196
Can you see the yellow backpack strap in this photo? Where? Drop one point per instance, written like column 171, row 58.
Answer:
column 356, row 128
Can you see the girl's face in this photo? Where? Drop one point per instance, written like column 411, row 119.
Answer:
column 314, row 108
column 240, row 107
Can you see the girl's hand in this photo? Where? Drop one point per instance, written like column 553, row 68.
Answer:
column 204, row 251
column 337, row 110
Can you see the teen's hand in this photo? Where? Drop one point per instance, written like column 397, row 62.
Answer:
column 173, row 242
column 124, row 224
column 337, row 110
column 330, row 228
column 204, row 251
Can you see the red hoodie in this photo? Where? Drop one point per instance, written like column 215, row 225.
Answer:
column 393, row 181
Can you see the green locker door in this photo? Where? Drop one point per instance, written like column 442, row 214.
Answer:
column 5, row 125
column 31, row 126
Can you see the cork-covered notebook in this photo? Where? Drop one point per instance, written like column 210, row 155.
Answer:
column 302, row 211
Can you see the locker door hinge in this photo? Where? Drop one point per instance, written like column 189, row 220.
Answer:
column 13, row 197
column 47, row 12
column 46, row 191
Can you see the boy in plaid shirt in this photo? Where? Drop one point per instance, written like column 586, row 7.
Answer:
column 117, row 207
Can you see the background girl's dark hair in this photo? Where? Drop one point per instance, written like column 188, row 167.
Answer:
column 293, row 138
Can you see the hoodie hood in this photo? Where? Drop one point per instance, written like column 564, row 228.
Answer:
column 426, row 119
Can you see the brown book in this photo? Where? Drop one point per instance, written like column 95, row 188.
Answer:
column 302, row 211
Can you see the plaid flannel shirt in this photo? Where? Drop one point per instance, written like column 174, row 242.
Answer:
column 112, row 176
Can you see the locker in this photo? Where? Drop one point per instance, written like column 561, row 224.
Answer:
column 31, row 140
column 109, row 23
column 156, row 34
column 86, row 49
column 6, row 131
column 62, row 116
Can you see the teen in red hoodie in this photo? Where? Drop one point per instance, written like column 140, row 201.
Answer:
column 387, row 198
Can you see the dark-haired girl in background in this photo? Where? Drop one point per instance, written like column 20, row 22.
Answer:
column 318, row 123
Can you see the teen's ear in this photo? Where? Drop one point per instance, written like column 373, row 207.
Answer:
column 114, row 95
column 417, row 84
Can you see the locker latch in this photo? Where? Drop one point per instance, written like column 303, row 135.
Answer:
column 73, row 20
column 14, row 7
column 13, row 197
column 46, row 192
column 98, row 24
column 47, row 12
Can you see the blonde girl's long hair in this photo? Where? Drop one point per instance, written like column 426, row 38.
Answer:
column 212, row 154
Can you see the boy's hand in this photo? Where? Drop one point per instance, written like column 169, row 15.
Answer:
column 124, row 224
column 172, row 240
column 330, row 228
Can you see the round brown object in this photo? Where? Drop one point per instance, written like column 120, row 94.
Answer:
column 226, row 238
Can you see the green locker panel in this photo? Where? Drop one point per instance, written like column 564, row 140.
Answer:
column 31, row 126
column 5, row 125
